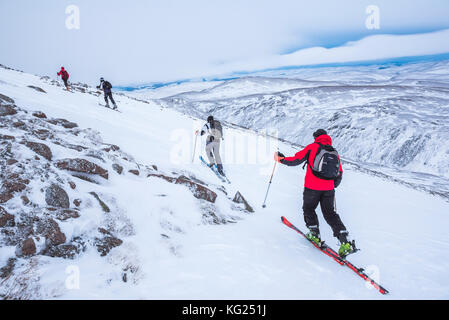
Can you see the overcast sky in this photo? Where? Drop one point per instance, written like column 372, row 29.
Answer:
column 141, row 41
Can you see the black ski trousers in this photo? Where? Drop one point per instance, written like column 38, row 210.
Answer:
column 311, row 199
column 108, row 94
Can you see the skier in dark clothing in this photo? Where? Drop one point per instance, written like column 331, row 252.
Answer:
column 65, row 77
column 320, row 190
column 106, row 87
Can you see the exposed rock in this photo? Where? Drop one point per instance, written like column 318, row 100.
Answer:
column 25, row 200
column 6, row 110
column 102, row 204
column 27, row 248
column 199, row 191
column 6, row 271
column 39, row 114
column 63, row 122
column 6, row 137
column 43, row 134
column 238, row 198
column 10, row 162
column 67, row 214
column 18, row 124
column 117, row 168
column 41, row 149
column 55, row 196
column 5, row 197
column 37, row 89
column 77, row 202
column 72, row 185
column 112, row 147
column 6, row 100
column 83, row 166
column 49, row 228
column 105, row 244
column 135, row 172
column 6, row 219
column 66, row 251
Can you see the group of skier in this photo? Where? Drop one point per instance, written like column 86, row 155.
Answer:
column 104, row 85
column 324, row 172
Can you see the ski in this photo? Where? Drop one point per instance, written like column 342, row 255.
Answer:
column 103, row 105
column 214, row 169
column 341, row 261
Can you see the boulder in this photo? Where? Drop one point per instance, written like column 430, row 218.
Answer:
column 37, row 89
column 66, row 251
column 6, row 219
column 27, row 248
column 6, row 110
column 55, row 196
column 135, row 172
column 41, row 149
column 83, row 166
column 39, row 114
column 117, row 168
column 49, row 229
column 238, row 198
column 105, row 244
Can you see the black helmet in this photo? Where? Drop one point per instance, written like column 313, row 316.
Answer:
column 319, row 132
column 101, row 79
column 210, row 119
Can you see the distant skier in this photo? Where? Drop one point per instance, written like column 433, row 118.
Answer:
column 106, row 87
column 65, row 77
column 215, row 133
column 324, row 174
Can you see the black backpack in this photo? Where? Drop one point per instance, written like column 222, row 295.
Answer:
column 326, row 165
column 107, row 85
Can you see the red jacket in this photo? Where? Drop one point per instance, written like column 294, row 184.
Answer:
column 311, row 181
column 63, row 73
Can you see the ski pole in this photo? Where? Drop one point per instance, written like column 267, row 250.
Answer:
column 194, row 148
column 269, row 185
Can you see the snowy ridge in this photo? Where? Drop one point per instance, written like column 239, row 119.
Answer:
column 161, row 236
column 396, row 117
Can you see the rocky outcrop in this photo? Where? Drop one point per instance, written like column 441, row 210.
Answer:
column 55, row 196
column 117, row 168
column 40, row 115
column 49, row 229
column 37, row 89
column 238, row 198
column 6, row 110
column 41, row 149
column 26, row 248
column 199, row 191
column 107, row 242
column 6, row 219
column 134, row 172
column 82, row 166
column 63, row 122
column 102, row 204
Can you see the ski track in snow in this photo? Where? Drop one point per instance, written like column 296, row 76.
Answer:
column 402, row 232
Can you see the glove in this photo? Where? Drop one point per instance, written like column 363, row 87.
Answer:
column 338, row 180
column 211, row 139
column 278, row 157
column 196, row 132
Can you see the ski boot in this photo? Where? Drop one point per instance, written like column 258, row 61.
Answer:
column 314, row 236
column 115, row 107
column 220, row 169
column 346, row 247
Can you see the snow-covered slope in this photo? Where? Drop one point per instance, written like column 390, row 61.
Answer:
column 391, row 116
column 164, row 238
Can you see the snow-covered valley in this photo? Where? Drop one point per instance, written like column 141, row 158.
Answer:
column 112, row 206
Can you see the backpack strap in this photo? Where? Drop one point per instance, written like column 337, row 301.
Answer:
column 308, row 155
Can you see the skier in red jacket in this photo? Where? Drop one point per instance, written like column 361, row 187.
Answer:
column 320, row 191
column 65, row 77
